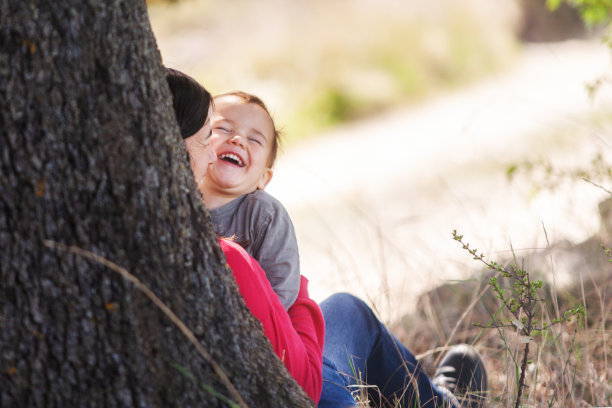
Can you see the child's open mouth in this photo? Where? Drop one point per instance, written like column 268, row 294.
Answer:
column 231, row 158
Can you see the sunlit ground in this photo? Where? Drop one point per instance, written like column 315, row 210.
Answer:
column 376, row 201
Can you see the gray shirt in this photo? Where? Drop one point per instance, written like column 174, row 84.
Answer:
column 261, row 224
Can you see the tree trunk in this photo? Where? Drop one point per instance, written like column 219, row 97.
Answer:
column 90, row 156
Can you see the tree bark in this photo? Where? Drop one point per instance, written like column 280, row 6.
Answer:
column 90, row 156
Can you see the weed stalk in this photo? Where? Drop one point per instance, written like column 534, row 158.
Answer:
column 520, row 303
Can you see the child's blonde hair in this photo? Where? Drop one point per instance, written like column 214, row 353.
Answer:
column 249, row 98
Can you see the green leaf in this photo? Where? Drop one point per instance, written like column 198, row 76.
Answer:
column 511, row 170
column 553, row 4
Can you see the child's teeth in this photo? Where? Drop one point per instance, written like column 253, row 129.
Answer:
column 232, row 157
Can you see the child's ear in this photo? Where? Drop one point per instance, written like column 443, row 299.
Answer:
column 265, row 179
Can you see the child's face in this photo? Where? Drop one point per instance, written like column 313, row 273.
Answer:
column 242, row 136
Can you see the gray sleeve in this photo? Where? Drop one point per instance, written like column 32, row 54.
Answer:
column 275, row 248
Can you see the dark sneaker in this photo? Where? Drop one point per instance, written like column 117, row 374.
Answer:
column 463, row 373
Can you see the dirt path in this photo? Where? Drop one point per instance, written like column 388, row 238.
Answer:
column 374, row 203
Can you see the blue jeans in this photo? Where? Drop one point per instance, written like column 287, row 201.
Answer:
column 360, row 355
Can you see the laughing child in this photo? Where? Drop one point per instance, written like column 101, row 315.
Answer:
column 246, row 141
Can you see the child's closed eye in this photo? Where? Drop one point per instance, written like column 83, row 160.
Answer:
column 256, row 140
column 222, row 129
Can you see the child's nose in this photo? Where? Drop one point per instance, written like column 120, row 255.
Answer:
column 237, row 140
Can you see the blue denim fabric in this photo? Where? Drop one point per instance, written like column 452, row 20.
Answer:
column 360, row 350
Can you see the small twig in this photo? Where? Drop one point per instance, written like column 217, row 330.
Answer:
column 521, row 383
column 597, row 185
column 160, row 304
column 545, row 235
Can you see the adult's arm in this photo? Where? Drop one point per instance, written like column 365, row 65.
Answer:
column 297, row 335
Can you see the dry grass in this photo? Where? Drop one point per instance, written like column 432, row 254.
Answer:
column 571, row 364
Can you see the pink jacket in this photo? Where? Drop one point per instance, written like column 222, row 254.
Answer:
column 297, row 335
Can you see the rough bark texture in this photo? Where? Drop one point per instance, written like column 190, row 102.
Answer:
column 90, row 156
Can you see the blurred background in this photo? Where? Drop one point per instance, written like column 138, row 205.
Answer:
column 406, row 120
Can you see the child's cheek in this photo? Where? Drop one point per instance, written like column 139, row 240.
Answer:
column 215, row 141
